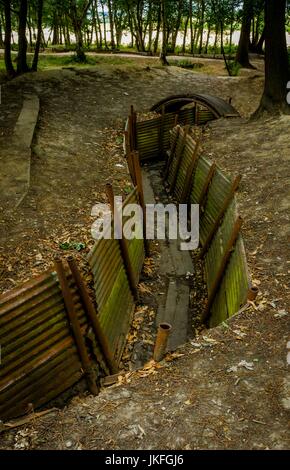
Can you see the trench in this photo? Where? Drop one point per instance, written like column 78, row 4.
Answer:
column 86, row 352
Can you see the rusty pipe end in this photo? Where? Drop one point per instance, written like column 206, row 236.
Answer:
column 165, row 327
column 163, row 332
column 57, row 260
column 252, row 293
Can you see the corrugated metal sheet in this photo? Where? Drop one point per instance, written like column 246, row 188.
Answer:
column 39, row 357
column 199, row 179
column 218, row 106
column 136, row 245
column 233, row 288
column 153, row 136
column 113, row 294
column 185, row 163
column 175, row 161
column 216, row 251
column 218, row 191
column 232, row 293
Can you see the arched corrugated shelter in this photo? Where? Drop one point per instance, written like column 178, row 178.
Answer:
column 218, row 106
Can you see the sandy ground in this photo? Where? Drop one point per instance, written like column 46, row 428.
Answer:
column 228, row 388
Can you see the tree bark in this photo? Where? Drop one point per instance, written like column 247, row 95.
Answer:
column 2, row 27
column 185, row 34
column 260, row 44
column 277, row 73
column 156, row 42
column 39, row 35
column 113, row 44
column 242, row 56
column 22, row 66
column 164, row 41
column 8, row 30
column 201, row 26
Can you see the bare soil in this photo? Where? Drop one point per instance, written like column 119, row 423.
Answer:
column 229, row 388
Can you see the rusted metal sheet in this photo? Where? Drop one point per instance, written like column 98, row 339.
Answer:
column 39, row 358
column 136, row 245
column 216, row 250
column 113, row 295
column 226, row 272
column 219, row 189
column 199, row 178
column 148, row 132
column 218, row 106
column 187, row 157
column 232, row 294
column 176, row 158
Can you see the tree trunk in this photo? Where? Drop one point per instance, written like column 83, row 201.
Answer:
column 177, row 25
column 201, row 27
column 156, row 42
column 216, row 38
column 277, row 73
column 164, row 42
column 55, row 36
column 39, row 34
column 81, row 56
column 185, row 34
column 105, row 29
column 113, row 44
column 191, row 27
column 232, row 29
column 242, row 56
column 2, row 27
column 8, row 29
column 207, row 37
column 99, row 26
column 259, row 48
column 22, row 66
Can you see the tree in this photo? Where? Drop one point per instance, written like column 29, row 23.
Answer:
column 8, row 30
column 78, row 10
column 164, row 41
column 22, row 66
column 242, row 56
column 39, row 35
column 277, row 71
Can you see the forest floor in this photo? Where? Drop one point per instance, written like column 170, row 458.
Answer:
column 231, row 385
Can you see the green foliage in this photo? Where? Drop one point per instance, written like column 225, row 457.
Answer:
column 234, row 68
column 186, row 64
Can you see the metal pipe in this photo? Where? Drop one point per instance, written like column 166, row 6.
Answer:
column 163, row 332
column 252, row 293
column 75, row 325
column 89, row 307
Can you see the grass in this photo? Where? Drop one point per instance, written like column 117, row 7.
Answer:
column 234, row 68
column 50, row 61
